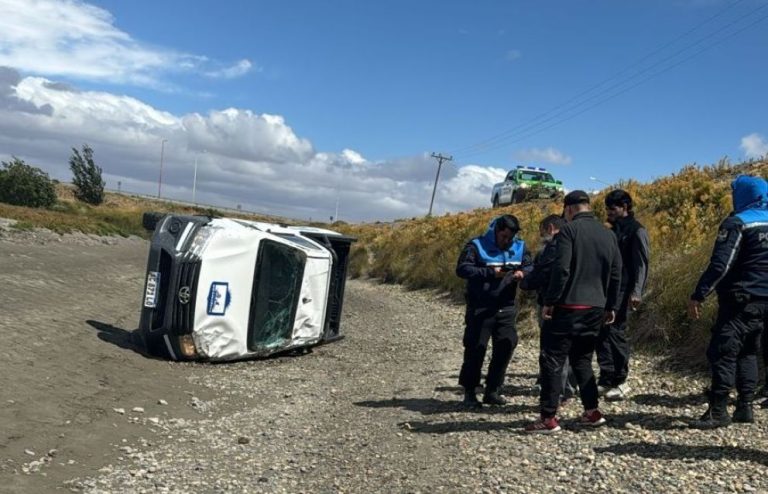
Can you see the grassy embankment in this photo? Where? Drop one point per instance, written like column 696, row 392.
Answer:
column 119, row 214
column 681, row 212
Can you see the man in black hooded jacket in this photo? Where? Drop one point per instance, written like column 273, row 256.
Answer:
column 613, row 343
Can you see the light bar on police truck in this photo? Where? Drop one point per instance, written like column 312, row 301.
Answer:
column 532, row 168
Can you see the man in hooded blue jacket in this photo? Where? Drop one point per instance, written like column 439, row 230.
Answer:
column 738, row 272
column 492, row 264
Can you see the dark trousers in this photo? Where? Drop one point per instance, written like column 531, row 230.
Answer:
column 569, row 334
column 733, row 349
column 486, row 325
column 570, row 385
column 613, row 350
column 764, row 345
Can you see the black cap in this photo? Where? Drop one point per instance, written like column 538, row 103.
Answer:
column 576, row 197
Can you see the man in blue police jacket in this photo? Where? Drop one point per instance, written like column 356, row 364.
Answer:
column 492, row 264
column 738, row 273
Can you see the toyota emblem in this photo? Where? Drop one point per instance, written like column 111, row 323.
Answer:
column 185, row 295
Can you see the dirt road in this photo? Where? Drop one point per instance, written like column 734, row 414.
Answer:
column 375, row 412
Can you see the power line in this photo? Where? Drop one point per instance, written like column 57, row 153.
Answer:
column 524, row 136
column 573, row 103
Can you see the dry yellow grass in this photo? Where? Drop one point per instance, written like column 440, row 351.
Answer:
column 681, row 212
column 119, row 214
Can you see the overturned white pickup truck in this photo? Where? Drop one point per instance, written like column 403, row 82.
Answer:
column 226, row 289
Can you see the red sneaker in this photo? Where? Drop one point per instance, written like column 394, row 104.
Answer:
column 544, row 426
column 592, row 418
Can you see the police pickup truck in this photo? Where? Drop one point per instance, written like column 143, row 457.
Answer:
column 226, row 288
column 525, row 183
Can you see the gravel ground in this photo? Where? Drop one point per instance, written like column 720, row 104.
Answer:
column 377, row 412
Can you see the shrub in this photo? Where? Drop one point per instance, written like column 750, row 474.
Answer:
column 25, row 185
column 86, row 176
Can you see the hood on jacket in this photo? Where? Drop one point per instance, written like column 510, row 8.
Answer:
column 488, row 239
column 749, row 192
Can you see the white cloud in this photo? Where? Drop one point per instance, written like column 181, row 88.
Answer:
column 548, row 155
column 513, row 55
column 754, row 146
column 254, row 160
column 75, row 39
column 239, row 69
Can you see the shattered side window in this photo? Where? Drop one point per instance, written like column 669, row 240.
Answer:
column 276, row 290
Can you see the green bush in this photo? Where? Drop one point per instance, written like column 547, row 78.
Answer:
column 86, row 176
column 25, row 185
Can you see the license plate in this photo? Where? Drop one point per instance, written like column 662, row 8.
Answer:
column 150, row 294
column 543, row 195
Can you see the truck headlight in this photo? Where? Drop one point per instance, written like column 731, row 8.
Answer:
column 187, row 346
column 201, row 240
column 525, row 186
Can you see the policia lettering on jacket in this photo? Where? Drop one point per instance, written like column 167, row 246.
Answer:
column 492, row 264
column 738, row 273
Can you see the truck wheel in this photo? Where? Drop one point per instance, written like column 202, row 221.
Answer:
column 150, row 220
column 495, row 201
column 517, row 197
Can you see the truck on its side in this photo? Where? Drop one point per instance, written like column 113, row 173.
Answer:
column 225, row 288
column 526, row 183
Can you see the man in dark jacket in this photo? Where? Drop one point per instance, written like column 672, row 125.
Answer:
column 613, row 344
column 738, row 272
column 492, row 264
column 537, row 280
column 581, row 296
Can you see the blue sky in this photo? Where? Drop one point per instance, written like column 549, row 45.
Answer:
column 291, row 106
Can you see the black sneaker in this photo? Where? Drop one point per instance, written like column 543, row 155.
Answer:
column 494, row 398
column 764, row 404
column 743, row 413
column 471, row 402
column 712, row 419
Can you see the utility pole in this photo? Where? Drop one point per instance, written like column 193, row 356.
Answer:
column 160, row 179
column 440, row 158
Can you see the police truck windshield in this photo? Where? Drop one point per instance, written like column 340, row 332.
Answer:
column 536, row 176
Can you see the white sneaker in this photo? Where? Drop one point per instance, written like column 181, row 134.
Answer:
column 618, row 393
column 601, row 390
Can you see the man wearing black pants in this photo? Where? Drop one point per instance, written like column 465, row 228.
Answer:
column 738, row 272
column 537, row 280
column 492, row 264
column 581, row 296
column 613, row 343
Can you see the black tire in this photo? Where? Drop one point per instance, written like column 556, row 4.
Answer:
column 518, row 196
column 495, row 201
column 150, row 220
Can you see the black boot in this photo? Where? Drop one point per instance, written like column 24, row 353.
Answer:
column 716, row 414
column 470, row 400
column 743, row 413
column 494, row 397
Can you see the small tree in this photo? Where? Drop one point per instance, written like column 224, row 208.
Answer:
column 25, row 185
column 86, row 176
